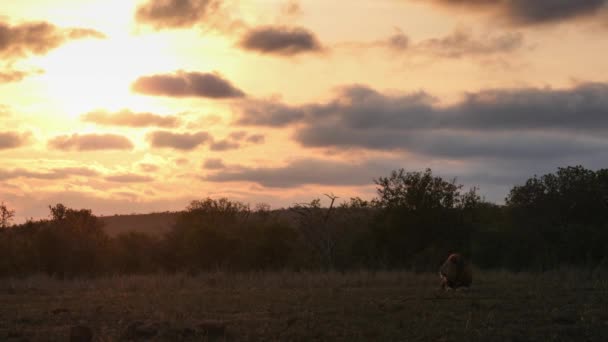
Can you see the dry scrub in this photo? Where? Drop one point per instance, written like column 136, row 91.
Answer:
column 357, row 306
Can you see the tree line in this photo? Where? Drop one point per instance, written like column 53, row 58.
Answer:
column 415, row 221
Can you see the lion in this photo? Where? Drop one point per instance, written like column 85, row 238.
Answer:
column 455, row 272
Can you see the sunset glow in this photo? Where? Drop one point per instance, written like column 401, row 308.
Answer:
column 139, row 106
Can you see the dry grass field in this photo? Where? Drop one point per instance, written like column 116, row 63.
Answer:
column 357, row 306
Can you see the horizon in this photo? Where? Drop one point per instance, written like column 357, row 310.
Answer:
column 135, row 107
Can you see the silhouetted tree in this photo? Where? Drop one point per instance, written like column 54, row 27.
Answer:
column 561, row 217
column 422, row 218
column 72, row 242
column 6, row 216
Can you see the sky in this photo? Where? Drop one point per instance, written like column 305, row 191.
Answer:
column 140, row 106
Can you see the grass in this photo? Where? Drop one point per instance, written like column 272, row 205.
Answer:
column 568, row 305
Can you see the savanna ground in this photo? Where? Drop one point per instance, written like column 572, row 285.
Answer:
column 356, row 306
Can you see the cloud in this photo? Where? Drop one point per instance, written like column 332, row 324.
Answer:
column 187, row 84
column 459, row 43
column 526, row 12
column 238, row 136
column 80, row 33
column 10, row 140
column 12, row 76
column 90, row 142
column 298, row 172
column 269, row 113
column 146, row 167
column 512, row 145
column 58, row 173
column 256, row 139
column 280, row 40
column 162, row 14
column 526, row 123
column 291, row 9
column 37, row 38
column 581, row 108
column 462, row 42
column 129, row 178
column 224, row 145
column 178, row 141
column 181, row 161
column 214, row 164
column 130, row 119
column 398, row 41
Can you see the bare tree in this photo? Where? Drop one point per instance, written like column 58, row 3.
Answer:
column 313, row 226
column 6, row 216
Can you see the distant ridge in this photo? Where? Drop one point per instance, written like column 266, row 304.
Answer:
column 154, row 223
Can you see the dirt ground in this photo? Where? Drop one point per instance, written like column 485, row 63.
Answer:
column 356, row 306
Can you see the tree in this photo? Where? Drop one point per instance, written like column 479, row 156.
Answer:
column 573, row 195
column 420, row 191
column 72, row 242
column 423, row 218
column 206, row 235
column 564, row 214
column 6, row 216
column 312, row 225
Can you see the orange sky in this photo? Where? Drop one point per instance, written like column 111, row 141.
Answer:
column 141, row 106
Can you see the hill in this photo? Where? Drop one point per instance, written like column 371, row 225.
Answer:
column 154, row 223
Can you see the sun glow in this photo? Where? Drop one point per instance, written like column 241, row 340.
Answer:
column 97, row 73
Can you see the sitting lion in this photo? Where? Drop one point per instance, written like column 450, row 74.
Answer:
column 455, row 272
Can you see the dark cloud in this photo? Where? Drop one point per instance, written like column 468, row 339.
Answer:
column 256, row 139
column 269, row 113
column 463, row 145
column 583, row 107
column 527, row 12
column 10, row 140
column 162, row 14
column 528, row 123
column 59, row 173
column 357, row 106
column 187, row 84
column 130, row 119
column 462, row 43
column 178, row 141
column 37, row 38
column 298, row 172
column 224, row 145
column 90, row 142
column 459, row 43
column 129, row 178
column 281, row 40
column 213, row 164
